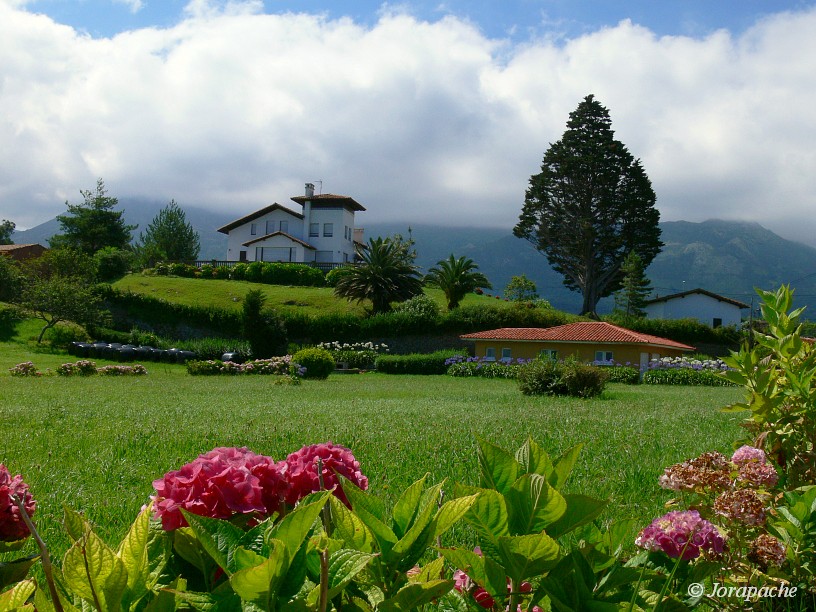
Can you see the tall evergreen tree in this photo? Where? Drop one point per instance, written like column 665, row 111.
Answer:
column 93, row 224
column 6, row 230
column 169, row 237
column 590, row 206
column 635, row 289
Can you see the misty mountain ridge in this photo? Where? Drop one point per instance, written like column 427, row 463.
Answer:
column 726, row 257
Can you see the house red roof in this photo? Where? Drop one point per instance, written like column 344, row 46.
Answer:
column 586, row 332
column 329, row 199
column 258, row 213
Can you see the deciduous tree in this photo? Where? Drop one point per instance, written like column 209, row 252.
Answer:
column 456, row 278
column 6, row 230
column 521, row 289
column 591, row 205
column 93, row 224
column 58, row 299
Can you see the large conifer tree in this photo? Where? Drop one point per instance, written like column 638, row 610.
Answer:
column 590, row 206
column 169, row 237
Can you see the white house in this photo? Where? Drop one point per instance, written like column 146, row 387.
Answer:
column 705, row 306
column 323, row 232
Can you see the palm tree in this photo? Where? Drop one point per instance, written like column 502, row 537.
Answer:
column 385, row 274
column 457, row 278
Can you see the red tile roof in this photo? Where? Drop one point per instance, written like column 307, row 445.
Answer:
column 586, row 332
column 329, row 199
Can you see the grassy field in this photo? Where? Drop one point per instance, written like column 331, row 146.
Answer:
column 96, row 444
column 228, row 294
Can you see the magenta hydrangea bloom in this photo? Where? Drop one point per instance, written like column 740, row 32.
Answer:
column 681, row 533
column 300, row 471
column 219, row 484
column 12, row 526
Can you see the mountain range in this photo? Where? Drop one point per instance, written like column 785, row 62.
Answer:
column 730, row 258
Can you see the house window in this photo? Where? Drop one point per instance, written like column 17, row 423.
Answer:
column 275, row 254
column 284, row 226
column 270, row 227
column 603, row 356
column 328, row 230
column 548, row 354
column 506, row 354
column 314, row 230
column 490, row 353
column 717, row 322
column 324, row 256
column 242, row 255
column 253, row 229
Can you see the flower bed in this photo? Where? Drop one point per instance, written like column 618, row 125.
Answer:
column 278, row 366
column 356, row 355
column 462, row 366
column 83, row 367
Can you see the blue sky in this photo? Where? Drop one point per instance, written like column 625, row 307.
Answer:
column 515, row 19
column 422, row 111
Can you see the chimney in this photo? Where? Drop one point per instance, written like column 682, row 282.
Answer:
column 309, row 190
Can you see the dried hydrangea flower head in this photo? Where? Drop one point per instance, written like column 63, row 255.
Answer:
column 742, row 505
column 767, row 551
column 12, row 525
column 753, row 467
column 710, row 470
column 683, row 534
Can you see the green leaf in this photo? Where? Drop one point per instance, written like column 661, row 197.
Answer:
column 259, row 584
column 528, row 555
column 415, row 594
column 451, row 512
column 16, row 570
column 581, row 509
column 533, row 504
column 344, row 565
column 431, row 571
column 16, row 597
column 370, row 503
column 350, row 528
column 191, row 550
column 407, row 507
column 482, row 570
column 297, row 525
column 420, row 532
column 12, row 546
column 365, row 506
column 488, row 515
column 74, row 523
column 533, row 459
column 217, row 537
column 133, row 552
column 94, row 572
column 562, row 467
column 498, row 469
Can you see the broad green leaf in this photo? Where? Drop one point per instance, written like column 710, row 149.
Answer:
column 94, row 572
column 364, row 506
column 533, row 505
column 191, row 550
column 451, row 512
column 350, row 528
column 498, row 469
column 528, row 555
column 217, row 537
column 407, row 507
column 533, row 459
column 12, row 546
column 246, row 559
column 344, row 565
column 74, row 523
column 431, row 571
column 225, row 601
column 488, row 515
column 482, row 570
column 16, row 597
column 259, row 584
column 581, row 509
column 296, row 526
column 562, row 467
column 415, row 594
column 357, row 497
column 133, row 553
column 421, row 531
column 16, row 570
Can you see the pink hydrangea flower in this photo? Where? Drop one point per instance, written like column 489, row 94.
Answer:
column 743, row 506
column 747, row 453
column 219, row 484
column 753, row 467
column 12, row 526
column 300, row 471
column 681, row 533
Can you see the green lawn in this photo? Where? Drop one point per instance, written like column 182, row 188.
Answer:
column 97, row 443
column 228, row 294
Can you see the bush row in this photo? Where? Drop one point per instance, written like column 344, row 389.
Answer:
column 688, row 331
column 431, row 363
column 270, row 273
column 686, row 376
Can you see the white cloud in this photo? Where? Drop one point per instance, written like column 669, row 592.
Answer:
column 419, row 121
column 134, row 5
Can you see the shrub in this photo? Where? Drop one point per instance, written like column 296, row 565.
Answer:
column 318, row 362
column 622, row 374
column 421, row 307
column 26, row 368
column 582, row 380
column 263, row 329
column 334, row 275
column 112, row 263
column 181, row 269
column 238, row 271
column 685, row 376
column 254, row 272
column 63, row 334
column 222, row 273
column 206, row 271
column 484, row 369
column 542, row 377
column 416, row 363
column 281, row 366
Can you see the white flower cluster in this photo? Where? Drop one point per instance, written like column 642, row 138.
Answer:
column 715, row 365
column 356, row 346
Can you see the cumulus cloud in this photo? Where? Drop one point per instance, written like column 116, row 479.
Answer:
column 420, row 121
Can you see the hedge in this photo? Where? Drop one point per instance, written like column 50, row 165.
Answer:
column 685, row 376
column 416, row 363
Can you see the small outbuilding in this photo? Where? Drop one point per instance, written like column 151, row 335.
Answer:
column 21, row 252
column 589, row 341
column 705, row 306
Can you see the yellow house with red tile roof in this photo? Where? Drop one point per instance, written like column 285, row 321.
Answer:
column 589, row 341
